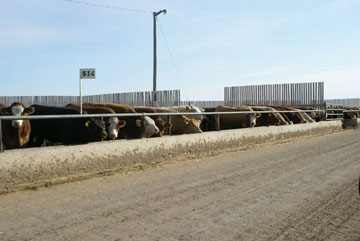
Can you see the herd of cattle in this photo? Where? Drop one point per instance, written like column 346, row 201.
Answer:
column 42, row 132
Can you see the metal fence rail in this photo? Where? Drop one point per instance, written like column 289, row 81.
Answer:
column 354, row 102
column 295, row 94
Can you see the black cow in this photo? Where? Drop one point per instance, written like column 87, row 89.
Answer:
column 209, row 121
column 65, row 130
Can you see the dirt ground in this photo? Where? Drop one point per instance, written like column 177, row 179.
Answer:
column 301, row 190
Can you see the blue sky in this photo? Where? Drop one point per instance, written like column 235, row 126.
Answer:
column 214, row 44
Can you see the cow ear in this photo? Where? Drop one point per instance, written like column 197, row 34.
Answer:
column 138, row 123
column 159, row 120
column 29, row 111
column 121, row 123
column 87, row 124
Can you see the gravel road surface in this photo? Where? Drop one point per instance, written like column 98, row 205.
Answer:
column 302, row 190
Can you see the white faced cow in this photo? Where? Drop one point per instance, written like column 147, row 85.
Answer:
column 113, row 124
column 16, row 133
column 136, row 127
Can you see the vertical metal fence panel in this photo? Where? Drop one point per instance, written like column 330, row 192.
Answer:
column 205, row 104
column 353, row 102
column 165, row 98
column 294, row 94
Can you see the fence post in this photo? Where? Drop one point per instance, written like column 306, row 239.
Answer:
column 217, row 119
column 251, row 120
column 1, row 139
column 325, row 108
column 169, row 121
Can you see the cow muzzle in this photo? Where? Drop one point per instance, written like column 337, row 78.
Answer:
column 157, row 131
column 17, row 123
column 113, row 136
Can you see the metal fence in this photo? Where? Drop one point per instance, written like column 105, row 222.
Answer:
column 295, row 94
column 164, row 98
column 355, row 102
column 333, row 111
column 203, row 104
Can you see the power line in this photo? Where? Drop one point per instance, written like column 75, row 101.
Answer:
column 138, row 11
column 173, row 61
column 106, row 6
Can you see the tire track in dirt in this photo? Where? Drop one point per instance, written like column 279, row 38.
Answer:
column 213, row 193
column 338, row 217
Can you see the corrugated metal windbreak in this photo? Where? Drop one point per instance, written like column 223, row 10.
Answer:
column 203, row 104
column 293, row 94
column 354, row 102
column 165, row 98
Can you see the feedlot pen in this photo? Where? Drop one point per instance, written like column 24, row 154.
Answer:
column 217, row 114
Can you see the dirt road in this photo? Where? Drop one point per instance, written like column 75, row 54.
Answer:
column 303, row 190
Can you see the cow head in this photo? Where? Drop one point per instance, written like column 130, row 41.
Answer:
column 17, row 109
column 113, row 126
column 160, row 123
column 149, row 126
column 193, row 108
column 312, row 114
column 191, row 126
column 253, row 118
column 95, row 129
column 276, row 119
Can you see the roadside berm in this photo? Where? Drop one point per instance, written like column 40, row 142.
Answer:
column 36, row 167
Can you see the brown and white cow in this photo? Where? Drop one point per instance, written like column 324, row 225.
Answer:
column 269, row 119
column 183, row 125
column 180, row 123
column 113, row 124
column 189, row 108
column 136, row 127
column 16, row 133
column 234, row 121
column 159, row 120
column 295, row 117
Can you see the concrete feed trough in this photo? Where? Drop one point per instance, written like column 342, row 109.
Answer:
column 26, row 168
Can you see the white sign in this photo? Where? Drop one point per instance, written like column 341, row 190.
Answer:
column 87, row 73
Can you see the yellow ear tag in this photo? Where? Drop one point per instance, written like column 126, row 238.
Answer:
column 87, row 123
